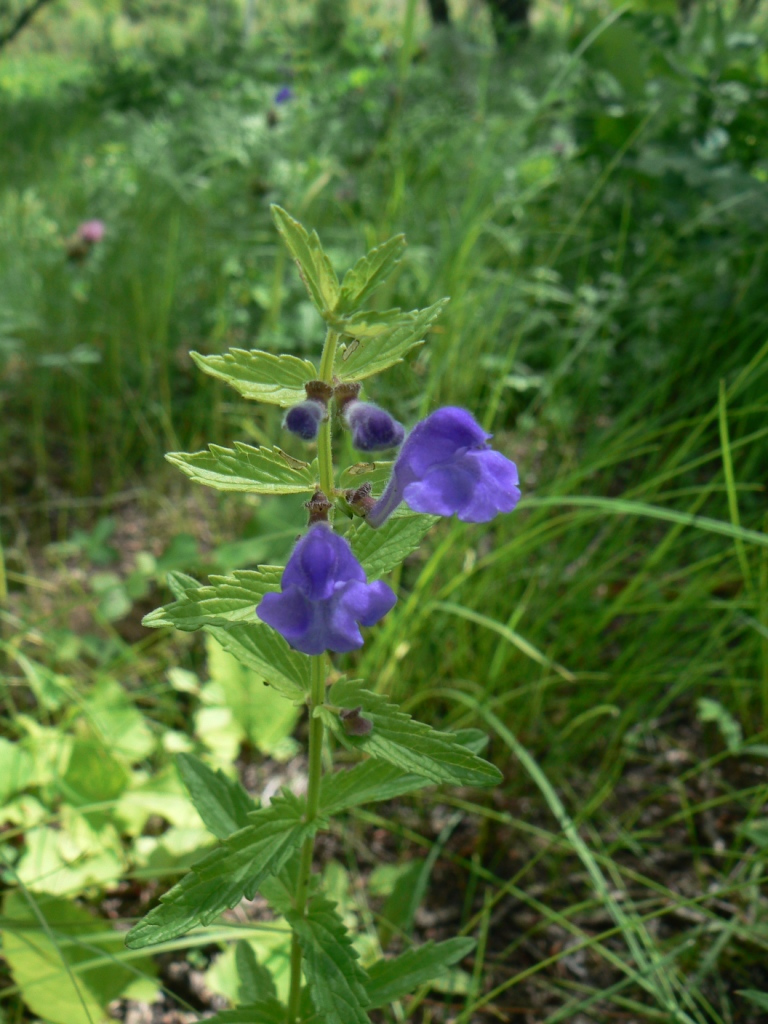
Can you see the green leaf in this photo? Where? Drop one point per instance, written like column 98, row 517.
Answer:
column 372, row 323
column 758, row 998
column 222, row 803
column 225, row 600
column 278, row 380
column 336, row 980
column 256, row 982
column 379, row 551
column 409, row 745
column 227, row 874
column 43, row 960
column 368, row 782
column 267, row 1011
column 16, row 767
column 360, row 359
column 314, row 266
column 369, row 272
column 268, row 654
column 390, row 980
column 376, row 473
column 245, row 468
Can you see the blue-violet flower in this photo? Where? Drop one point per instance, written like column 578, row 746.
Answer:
column 305, row 418
column 446, row 467
column 324, row 596
column 373, row 429
column 284, row 94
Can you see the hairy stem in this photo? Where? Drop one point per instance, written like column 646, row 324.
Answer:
column 324, row 449
column 313, row 800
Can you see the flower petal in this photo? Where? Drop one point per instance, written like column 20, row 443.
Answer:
column 369, row 602
column 444, row 490
column 496, row 489
column 320, row 560
column 438, row 439
column 290, row 613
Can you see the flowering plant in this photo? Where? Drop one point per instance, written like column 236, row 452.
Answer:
column 287, row 623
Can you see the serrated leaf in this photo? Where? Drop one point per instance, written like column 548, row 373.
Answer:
column 379, row 551
column 390, row 980
column 370, row 781
column 232, row 871
column 372, row 323
column 266, row 652
column 267, row 1011
column 225, row 600
column 376, row 473
column 409, row 745
column 314, row 266
column 360, row 359
column 256, row 982
column 245, row 468
column 261, row 376
column 222, row 803
column 369, row 272
column 335, row 978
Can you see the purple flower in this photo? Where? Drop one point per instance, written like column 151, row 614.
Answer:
column 91, row 231
column 373, row 429
column 304, row 419
column 324, row 596
column 284, row 95
column 446, row 467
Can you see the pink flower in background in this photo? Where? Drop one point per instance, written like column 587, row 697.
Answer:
column 91, row 231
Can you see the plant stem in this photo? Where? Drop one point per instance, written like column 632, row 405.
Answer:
column 324, row 450
column 317, row 698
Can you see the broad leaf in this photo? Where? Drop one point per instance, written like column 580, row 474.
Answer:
column 336, row 980
column 409, row 745
column 245, row 468
column 390, row 980
column 369, row 272
column 225, row 600
column 232, row 871
column 314, row 266
column 256, row 982
column 267, row 1011
column 222, row 803
column 278, row 380
column 379, row 551
column 372, row 323
column 376, row 473
column 268, row 654
column 368, row 782
column 360, row 359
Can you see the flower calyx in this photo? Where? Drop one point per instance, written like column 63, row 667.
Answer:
column 354, row 723
column 318, row 508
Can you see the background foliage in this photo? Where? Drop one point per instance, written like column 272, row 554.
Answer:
column 594, row 202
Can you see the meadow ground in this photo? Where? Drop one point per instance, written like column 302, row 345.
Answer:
column 594, row 203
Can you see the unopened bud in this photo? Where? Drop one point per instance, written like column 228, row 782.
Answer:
column 354, row 723
column 304, row 419
column 373, row 429
column 361, row 499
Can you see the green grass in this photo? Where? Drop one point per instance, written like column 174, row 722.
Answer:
column 604, row 253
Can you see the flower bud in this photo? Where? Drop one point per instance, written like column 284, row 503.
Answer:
column 354, row 723
column 304, row 419
column 373, row 429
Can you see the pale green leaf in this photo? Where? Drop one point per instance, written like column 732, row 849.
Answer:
column 335, row 978
column 256, row 982
column 221, row 802
column 230, row 872
column 48, row 963
column 245, row 468
column 16, row 767
column 380, row 551
column 314, row 266
column 268, row 654
column 226, row 599
column 369, row 272
column 266, row 1011
column 390, row 980
column 372, row 323
column 376, row 473
column 410, row 745
column 261, row 376
column 360, row 359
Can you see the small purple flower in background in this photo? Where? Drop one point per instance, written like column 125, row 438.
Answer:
column 324, row 596
column 446, row 468
column 304, row 419
column 91, row 231
column 284, row 95
column 373, row 429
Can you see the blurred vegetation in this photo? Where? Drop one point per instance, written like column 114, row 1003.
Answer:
column 594, row 201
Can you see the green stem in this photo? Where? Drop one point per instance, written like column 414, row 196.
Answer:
column 324, row 450
column 317, row 698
